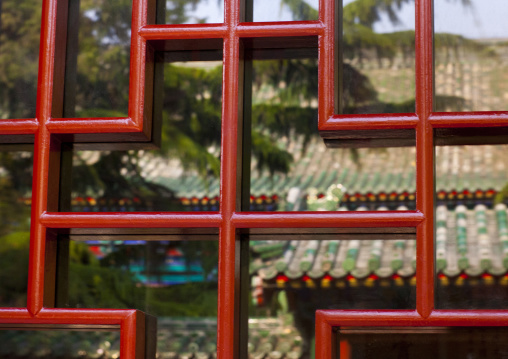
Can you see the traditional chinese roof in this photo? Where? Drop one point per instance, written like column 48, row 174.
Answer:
column 363, row 176
column 272, row 338
column 358, row 177
column 469, row 243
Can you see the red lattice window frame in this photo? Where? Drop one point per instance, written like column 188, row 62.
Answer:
column 47, row 123
column 423, row 121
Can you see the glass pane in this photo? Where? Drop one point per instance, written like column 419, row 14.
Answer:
column 285, row 10
column 171, row 277
column 98, row 58
column 183, row 173
column 15, row 203
column 48, row 344
column 293, row 274
column 291, row 167
column 377, row 58
column 20, row 27
column 420, row 343
column 471, row 68
column 190, row 12
column 471, row 227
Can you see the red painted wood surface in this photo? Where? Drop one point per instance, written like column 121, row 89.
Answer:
column 229, row 219
column 363, row 219
column 370, row 122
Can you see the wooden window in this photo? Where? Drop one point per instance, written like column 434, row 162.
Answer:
column 62, row 122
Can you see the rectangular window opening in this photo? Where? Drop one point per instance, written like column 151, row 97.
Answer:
column 420, row 342
column 470, row 56
column 291, row 168
column 471, row 226
column 180, row 169
column 374, row 58
column 20, row 27
column 294, row 272
column 189, row 12
column 280, row 10
column 97, row 63
column 169, row 274
column 16, row 166
column 51, row 343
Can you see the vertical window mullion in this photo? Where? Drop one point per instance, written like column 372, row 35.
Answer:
column 424, row 158
column 228, row 323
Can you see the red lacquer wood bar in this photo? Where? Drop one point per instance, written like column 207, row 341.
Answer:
column 35, row 295
column 138, row 58
column 370, row 122
column 168, row 32
column 91, row 125
column 277, row 29
column 363, row 219
column 18, row 127
column 86, row 316
column 15, row 316
column 424, row 159
column 362, row 318
column 326, row 69
column 130, row 220
column 469, row 119
column 227, row 328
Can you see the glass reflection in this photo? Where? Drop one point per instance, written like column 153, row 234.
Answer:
column 420, row 343
column 20, row 26
column 190, row 12
column 292, row 169
column 98, row 59
column 285, row 10
column 471, row 55
column 174, row 280
column 471, row 227
column 376, row 72
column 48, row 344
column 291, row 279
column 183, row 174
column 15, row 201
